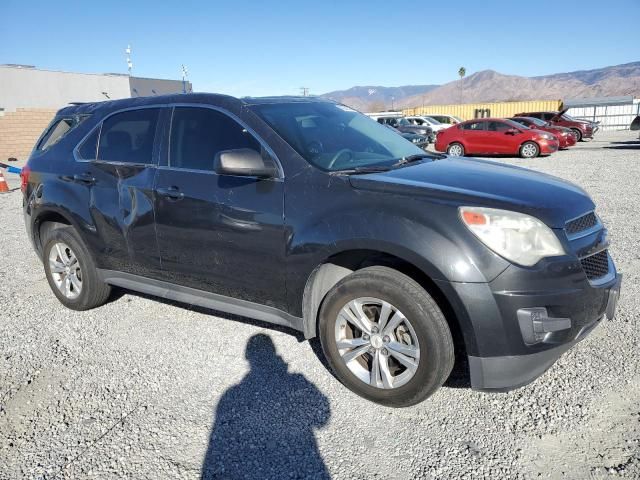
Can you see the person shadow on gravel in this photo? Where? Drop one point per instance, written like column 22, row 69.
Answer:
column 264, row 426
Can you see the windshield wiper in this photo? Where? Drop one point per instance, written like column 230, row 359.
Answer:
column 361, row 170
column 416, row 157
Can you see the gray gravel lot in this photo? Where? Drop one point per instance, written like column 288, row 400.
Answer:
column 134, row 389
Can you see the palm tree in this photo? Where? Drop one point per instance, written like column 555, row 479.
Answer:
column 461, row 72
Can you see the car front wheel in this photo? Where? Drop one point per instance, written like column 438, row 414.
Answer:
column 577, row 133
column 385, row 337
column 529, row 150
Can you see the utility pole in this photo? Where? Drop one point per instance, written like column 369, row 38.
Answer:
column 304, row 91
column 392, row 106
column 185, row 74
column 127, row 52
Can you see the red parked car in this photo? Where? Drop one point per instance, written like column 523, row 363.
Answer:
column 566, row 136
column 495, row 136
column 582, row 128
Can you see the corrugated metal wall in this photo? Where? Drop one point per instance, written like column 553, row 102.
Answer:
column 611, row 117
column 479, row 110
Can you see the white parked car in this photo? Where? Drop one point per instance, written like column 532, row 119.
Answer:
column 435, row 125
column 447, row 120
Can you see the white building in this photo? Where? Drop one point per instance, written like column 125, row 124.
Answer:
column 24, row 86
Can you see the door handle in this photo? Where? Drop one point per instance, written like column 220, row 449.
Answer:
column 171, row 192
column 85, row 178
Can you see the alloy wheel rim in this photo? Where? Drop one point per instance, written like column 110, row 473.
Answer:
column 65, row 270
column 529, row 150
column 455, row 150
column 377, row 343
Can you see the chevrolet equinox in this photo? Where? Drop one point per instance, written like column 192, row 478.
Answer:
column 305, row 213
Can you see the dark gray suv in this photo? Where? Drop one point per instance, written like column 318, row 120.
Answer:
column 307, row 214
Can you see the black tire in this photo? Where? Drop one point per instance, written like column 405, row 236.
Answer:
column 431, row 329
column 527, row 147
column 578, row 134
column 457, row 145
column 94, row 292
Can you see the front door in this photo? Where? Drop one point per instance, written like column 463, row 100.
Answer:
column 501, row 137
column 219, row 233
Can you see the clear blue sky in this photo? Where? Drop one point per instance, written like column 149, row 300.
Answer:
column 275, row 47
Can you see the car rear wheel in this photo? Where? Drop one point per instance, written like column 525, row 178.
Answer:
column 71, row 272
column 385, row 337
column 577, row 133
column 456, row 149
column 529, row 150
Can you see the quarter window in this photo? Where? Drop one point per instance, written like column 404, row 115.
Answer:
column 58, row 129
column 198, row 134
column 128, row 137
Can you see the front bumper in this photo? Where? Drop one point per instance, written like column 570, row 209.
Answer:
column 502, row 356
column 548, row 147
column 504, row 373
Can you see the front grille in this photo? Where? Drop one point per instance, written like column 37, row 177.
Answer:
column 596, row 266
column 581, row 224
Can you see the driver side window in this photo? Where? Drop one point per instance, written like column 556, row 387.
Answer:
column 498, row 127
column 198, row 134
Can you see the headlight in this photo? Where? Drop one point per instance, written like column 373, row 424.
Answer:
column 547, row 136
column 519, row 238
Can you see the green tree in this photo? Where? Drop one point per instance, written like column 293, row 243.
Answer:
column 461, row 72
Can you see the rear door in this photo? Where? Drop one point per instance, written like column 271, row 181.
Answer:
column 119, row 159
column 219, row 233
column 473, row 134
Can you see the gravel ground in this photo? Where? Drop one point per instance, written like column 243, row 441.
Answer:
column 147, row 389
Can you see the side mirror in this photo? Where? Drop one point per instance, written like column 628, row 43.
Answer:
column 244, row 162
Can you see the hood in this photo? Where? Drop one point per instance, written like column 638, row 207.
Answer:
column 575, row 120
column 483, row 183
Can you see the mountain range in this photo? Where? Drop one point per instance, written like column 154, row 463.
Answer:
column 491, row 86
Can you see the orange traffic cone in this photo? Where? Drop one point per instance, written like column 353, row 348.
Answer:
column 4, row 188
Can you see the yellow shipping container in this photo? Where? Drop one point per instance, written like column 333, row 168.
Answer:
column 478, row 110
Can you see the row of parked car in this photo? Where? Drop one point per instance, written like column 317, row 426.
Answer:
column 527, row 134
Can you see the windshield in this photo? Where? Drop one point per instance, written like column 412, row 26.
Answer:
column 512, row 123
column 334, row 137
column 568, row 117
column 531, row 120
column 537, row 121
column 432, row 121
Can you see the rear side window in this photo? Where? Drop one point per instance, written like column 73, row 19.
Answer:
column 128, row 137
column 58, row 129
column 198, row 134
column 474, row 126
